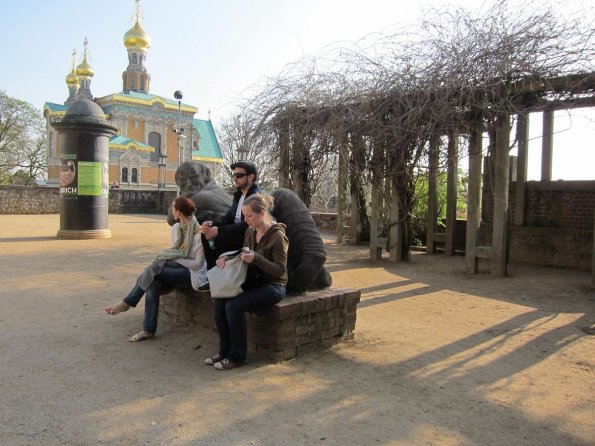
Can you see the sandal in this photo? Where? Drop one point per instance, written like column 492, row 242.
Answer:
column 120, row 307
column 141, row 336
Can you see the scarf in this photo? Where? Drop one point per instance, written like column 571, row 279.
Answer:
column 183, row 243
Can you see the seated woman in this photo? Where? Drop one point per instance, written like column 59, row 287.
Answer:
column 181, row 266
column 264, row 286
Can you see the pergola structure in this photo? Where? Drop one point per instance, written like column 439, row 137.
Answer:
column 372, row 144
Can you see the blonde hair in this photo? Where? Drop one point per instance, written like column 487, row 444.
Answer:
column 260, row 203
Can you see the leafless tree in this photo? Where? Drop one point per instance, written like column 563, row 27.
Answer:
column 384, row 102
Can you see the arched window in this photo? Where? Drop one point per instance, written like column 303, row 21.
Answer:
column 155, row 141
column 134, row 175
column 134, row 59
column 124, row 175
column 142, row 82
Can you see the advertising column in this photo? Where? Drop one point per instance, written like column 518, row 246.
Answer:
column 84, row 175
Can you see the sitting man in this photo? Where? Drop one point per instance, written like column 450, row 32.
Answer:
column 306, row 254
column 227, row 232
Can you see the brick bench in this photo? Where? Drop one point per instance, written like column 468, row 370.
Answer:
column 296, row 325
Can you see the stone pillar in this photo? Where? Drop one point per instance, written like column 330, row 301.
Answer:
column 473, row 199
column 432, row 193
column 521, row 173
column 451, row 193
column 342, row 185
column 396, row 226
column 84, row 171
column 376, row 201
column 547, row 145
column 501, row 160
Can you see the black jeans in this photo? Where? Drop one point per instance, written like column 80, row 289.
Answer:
column 231, row 320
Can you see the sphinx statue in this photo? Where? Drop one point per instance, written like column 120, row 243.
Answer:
column 195, row 182
column 306, row 254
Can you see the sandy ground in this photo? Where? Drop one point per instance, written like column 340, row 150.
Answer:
column 439, row 357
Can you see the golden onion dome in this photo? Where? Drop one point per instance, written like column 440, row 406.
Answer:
column 137, row 38
column 85, row 69
column 72, row 78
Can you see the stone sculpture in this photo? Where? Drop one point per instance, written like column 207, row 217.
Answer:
column 306, row 255
column 195, row 182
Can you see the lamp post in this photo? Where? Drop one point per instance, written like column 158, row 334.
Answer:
column 162, row 172
column 179, row 129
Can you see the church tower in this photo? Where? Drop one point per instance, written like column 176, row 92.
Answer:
column 136, row 78
column 85, row 72
column 72, row 80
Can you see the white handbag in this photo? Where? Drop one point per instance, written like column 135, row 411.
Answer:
column 227, row 282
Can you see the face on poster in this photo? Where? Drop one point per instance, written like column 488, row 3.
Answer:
column 67, row 172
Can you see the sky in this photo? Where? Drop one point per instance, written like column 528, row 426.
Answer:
column 215, row 51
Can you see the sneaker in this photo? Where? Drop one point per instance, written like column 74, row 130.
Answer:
column 213, row 359
column 226, row 364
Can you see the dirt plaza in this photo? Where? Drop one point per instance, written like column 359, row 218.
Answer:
column 440, row 357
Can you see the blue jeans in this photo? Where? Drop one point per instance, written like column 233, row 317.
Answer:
column 167, row 279
column 231, row 320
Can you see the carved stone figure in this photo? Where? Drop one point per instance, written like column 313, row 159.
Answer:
column 306, row 254
column 195, row 182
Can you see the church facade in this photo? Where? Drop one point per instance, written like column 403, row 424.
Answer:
column 155, row 134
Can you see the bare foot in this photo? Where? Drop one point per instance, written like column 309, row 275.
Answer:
column 120, row 307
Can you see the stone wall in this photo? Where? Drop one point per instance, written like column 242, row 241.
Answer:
column 46, row 200
column 325, row 220
column 29, row 200
column 131, row 201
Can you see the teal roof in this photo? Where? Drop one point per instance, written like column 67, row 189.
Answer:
column 56, row 107
column 208, row 146
column 119, row 140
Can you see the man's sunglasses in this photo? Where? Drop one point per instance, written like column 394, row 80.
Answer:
column 238, row 175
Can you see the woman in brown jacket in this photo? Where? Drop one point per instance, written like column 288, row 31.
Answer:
column 264, row 286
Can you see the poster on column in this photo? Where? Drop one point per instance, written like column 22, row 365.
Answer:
column 90, row 178
column 68, row 176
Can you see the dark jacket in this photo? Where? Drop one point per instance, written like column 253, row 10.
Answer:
column 226, row 223
column 270, row 255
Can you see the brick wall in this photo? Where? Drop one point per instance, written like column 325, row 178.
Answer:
column 298, row 324
column 558, row 227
